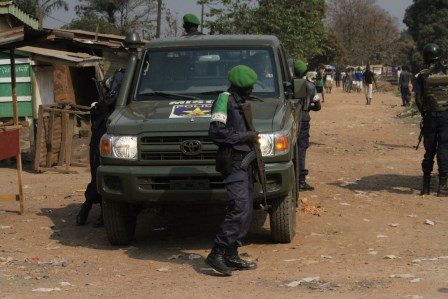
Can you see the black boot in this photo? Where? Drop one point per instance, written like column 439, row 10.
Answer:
column 443, row 188
column 216, row 260
column 303, row 186
column 234, row 261
column 426, row 184
column 81, row 218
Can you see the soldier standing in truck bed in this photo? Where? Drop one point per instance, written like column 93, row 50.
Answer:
column 191, row 24
column 229, row 129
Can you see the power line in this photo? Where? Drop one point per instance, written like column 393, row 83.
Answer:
column 63, row 22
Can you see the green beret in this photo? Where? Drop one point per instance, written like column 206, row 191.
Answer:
column 242, row 76
column 192, row 19
column 300, row 67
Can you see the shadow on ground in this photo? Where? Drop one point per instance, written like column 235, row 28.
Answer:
column 393, row 183
column 158, row 235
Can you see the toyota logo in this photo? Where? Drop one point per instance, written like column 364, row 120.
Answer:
column 191, row 147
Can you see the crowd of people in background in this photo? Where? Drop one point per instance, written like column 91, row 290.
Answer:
column 361, row 79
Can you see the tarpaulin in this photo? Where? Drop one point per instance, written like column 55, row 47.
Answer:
column 9, row 144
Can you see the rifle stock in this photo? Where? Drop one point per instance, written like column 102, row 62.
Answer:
column 420, row 137
column 247, row 112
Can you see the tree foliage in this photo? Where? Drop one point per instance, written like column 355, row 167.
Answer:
column 124, row 15
column 41, row 9
column 368, row 32
column 297, row 23
column 90, row 21
column 427, row 22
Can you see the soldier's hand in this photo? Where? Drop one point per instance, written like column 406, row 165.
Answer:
column 253, row 137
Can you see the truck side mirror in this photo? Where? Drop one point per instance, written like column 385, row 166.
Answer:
column 299, row 86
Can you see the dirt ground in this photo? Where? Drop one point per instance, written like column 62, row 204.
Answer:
column 370, row 240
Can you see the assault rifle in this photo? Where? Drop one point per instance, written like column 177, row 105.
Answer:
column 420, row 137
column 247, row 112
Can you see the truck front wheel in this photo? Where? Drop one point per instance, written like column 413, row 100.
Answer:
column 119, row 221
column 283, row 216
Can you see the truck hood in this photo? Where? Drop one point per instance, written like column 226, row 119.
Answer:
column 166, row 116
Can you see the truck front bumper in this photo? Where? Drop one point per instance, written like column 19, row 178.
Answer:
column 160, row 185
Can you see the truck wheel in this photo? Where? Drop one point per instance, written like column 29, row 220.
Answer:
column 119, row 221
column 283, row 217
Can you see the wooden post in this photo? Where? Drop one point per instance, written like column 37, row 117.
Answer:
column 64, row 147
column 50, row 138
column 14, row 88
column 39, row 135
column 16, row 123
column 159, row 17
column 70, row 131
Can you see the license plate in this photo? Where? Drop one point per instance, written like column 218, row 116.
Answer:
column 189, row 184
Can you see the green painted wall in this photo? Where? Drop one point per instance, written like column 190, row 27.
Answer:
column 24, row 89
column 25, row 109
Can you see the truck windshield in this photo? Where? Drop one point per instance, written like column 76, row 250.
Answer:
column 203, row 72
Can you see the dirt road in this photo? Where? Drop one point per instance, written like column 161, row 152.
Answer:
column 370, row 240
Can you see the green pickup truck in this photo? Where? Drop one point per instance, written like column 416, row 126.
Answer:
column 157, row 151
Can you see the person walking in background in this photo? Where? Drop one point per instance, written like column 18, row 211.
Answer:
column 403, row 86
column 349, row 80
column 328, row 81
column 368, row 78
column 320, row 82
column 398, row 75
column 358, row 80
column 338, row 78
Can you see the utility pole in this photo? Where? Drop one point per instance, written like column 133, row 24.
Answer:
column 202, row 16
column 159, row 17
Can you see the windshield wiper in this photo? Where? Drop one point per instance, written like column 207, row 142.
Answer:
column 250, row 98
column 212, row 92
column 170, row 95
column 253, row 98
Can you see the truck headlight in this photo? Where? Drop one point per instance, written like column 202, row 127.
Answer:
column 119, row 147
column 274, row 144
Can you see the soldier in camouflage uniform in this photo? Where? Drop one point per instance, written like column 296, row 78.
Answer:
column 432, row 100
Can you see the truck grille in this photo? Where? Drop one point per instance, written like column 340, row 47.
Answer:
column 181, row 183
column 168, row 148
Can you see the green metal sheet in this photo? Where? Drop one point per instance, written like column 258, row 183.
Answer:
column 22, row 70
column 25, row 18
column 23, row 89
column 25, row 109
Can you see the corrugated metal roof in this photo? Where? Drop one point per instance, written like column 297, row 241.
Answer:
column 12, row 9
column 93, row 34
column 92, row 38
column 69, row 58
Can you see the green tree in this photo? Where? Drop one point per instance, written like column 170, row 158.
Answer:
column 427, row 22
column 125, row 15
column 297, row 23
column 231, row 17
column 368, row 32
column 90, row 21
column 41, row 9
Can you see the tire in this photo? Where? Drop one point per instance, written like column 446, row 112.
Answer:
column 282, row 216
column 119, row 221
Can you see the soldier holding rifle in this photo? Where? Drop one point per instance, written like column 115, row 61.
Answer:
column 231, row 128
